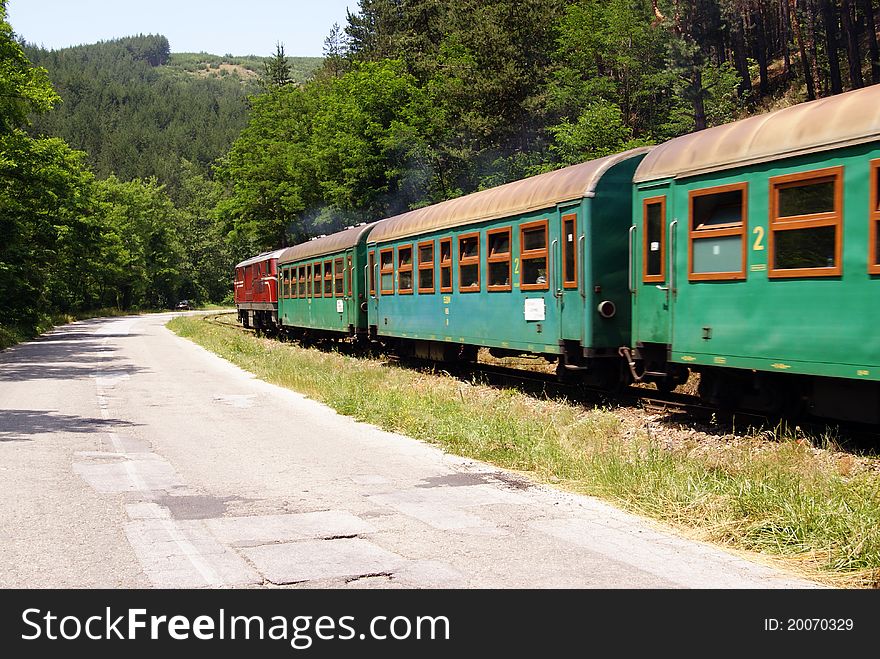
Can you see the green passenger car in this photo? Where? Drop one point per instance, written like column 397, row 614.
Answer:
column 321, row 285
column 755, row 259
column 534, row 266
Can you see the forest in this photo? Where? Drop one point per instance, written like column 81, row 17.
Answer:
column 131, row 176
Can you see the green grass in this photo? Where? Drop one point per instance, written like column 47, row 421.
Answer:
column 817, row 509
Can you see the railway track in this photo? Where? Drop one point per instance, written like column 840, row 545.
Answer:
column 682, row 408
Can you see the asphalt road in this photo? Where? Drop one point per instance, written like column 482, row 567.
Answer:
column 130, row 457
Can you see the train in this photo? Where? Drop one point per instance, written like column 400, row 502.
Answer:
column 748, row 253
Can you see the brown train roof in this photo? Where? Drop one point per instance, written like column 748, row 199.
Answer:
column 827, row 123
column 531, row 194
column 335, row 242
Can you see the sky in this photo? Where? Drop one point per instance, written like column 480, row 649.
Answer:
column 237, row 27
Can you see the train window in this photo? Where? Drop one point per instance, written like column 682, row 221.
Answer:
column 338, row 278
column 805, row 224
column 404, row 270
column 469, row 263
column 302, row 281
column 446, row 265
column 717, row 243
column 426, row 267
column 317, row 279
column 654, row 241
column 874, row 241
column 569, row 251
column 386, row 271
column 285, row 284
column 292, row 288
column 372, row 269
column 328, row 278
column 350, row 273
column 498, row 259
column 533, row 256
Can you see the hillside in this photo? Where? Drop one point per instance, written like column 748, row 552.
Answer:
column 139, row 111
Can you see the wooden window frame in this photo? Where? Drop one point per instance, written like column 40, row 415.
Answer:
column 328, row 277
column 301, row 279
column 386, row 271
column 339, row 277
column 288, row 283
column 468, row 261
column 659, row 278
column 504, row 257
column 426, row 265
column 874, row 219
column 570, row 217
column 371, row 260
column 317, row 291
column 447, row 263
column 811, row 221
column 532, row 254
column 722, row 231
column 403, row 269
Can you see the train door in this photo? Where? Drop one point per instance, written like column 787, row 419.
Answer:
column 371, row 272
column 652, row 274
column 570, row 279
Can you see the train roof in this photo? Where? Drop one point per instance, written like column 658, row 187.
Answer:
column 530, row 194
column 827, row 123
column 264, row 256
column 335, row 242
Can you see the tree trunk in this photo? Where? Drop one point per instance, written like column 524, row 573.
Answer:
column 740, row 55
column 853, row 56
column 784, row 23
column 868, row 9
column 805, row 64
column 829, row 18
column 811, row 47
column 698, row 102
column 761, row 51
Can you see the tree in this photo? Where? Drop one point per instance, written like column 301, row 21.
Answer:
column 335, row 51
column 277, row 70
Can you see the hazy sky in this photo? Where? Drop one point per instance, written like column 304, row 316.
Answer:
column 238, row 27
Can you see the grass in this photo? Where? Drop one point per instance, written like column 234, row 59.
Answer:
column 815, row 509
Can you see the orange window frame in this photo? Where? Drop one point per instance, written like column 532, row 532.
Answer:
column 301, row 282
column 287, row 289
column 328, row 278
column 389, row 270
column 810, row 221
column 317, row 279
column 721, row 231
column 661, row 276
column 404, row 268
column 372, row 266
column 534, row 254
column 445, row 263
column 425, row 266
column 569, row 248
column 874, row 219
column 339, row 277
column 499, row 257
column 465, row 261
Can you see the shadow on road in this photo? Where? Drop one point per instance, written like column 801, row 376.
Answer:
column 21, row 425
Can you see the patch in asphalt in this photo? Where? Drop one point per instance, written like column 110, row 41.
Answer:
column 266, row 529
column 453, row 480
column 194, row 506
column 313, row 560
